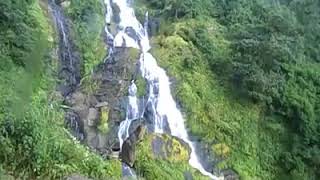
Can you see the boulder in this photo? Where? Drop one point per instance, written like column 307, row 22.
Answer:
column 92, row 117
column 127, row 153
column 169, row 148
column 76, row 98
column 101, row 104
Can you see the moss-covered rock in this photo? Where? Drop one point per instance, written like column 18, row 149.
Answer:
column 161, row 156
column 169, row 148
column 104, row 117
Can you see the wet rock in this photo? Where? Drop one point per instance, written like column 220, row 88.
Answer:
column 132, row 33
column 153, row 26
column 75, row 125
column 134, row 125
column 116, row 146
column 95, row 116
column 69, row 64
column 127, row 153
column 128, row 173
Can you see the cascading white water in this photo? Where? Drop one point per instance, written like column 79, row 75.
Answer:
column 132, row 114
column 160, row 98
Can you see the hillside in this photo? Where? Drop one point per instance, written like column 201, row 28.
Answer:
column 245, row 76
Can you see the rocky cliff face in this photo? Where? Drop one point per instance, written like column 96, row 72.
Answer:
column 99, row 104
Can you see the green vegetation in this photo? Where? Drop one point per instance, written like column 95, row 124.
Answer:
column 173, row 166
column 104, row 117
column 247, row 77
column 88, row 24
column 141, row 85
column 33, row 141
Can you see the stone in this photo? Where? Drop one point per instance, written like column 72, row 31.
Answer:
column 81, row 110
column 102, row 141
column 92, row 139
column 170, row 148
column 75, row 99
column 115, row 147
column 101, row 104
column 114, row 154
column 91, row 101
column 101, row 112
column 73, row 122
column 77, row 177
column 127, row 153
column 92, row 117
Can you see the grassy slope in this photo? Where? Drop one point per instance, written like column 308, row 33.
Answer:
column 34, row 143
column 212, row 111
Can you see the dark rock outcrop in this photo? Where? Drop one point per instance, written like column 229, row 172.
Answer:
column 94, row 116
column 129, row 145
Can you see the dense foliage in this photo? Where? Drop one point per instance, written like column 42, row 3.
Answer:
column 247, row 73
column 262, row 59
column 88, row 21
column 33, row 141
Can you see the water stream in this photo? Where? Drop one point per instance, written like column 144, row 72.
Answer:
column 130, row 33
column 69, row 70
column 69, row 65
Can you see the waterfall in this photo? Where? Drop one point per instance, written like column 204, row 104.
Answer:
column 69, row 60
column 132, row 114
column 69, row 66
column 160, row 99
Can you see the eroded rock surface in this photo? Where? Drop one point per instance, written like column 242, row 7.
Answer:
column 98, row 105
